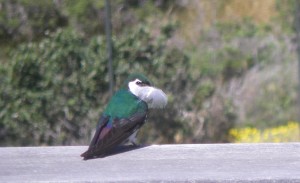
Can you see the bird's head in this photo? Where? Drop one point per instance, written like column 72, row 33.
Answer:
column 141, row 87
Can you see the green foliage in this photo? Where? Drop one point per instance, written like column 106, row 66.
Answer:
column 231, row 30
column 235, row 63
column 57, row 87
column 21, row 20
column 226, row 63
column 224, row 55
column 138, row 51
column 205, row 90
column 51, row 87
column 86, row 16
column 274, row 105
column 286, row 13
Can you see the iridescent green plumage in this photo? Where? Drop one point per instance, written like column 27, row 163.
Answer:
column 123, row 116
column 124, row 104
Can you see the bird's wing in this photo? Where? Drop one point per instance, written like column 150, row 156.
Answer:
column 112, row 133
column 102, row 123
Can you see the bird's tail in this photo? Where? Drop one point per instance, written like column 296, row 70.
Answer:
column 91, row 153
column 87, row 155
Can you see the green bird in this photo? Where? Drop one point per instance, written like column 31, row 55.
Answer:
column 124, row 115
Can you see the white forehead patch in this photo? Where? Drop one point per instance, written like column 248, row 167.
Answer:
column 154, row 97
column 133, row 87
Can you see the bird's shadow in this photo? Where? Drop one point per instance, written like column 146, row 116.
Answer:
column 125, row 148
column 121, row 149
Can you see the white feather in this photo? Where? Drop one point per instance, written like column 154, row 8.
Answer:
column 154, row 97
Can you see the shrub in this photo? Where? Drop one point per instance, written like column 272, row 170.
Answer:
column 56, row 88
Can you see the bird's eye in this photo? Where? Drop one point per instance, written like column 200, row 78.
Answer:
column 139, row 83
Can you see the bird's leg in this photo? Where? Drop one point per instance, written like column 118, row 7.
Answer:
column 133, row 140
column 135, row 143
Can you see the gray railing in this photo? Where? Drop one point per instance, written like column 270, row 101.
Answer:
column 155, row 163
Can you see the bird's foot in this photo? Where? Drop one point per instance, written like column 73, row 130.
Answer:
column 135, row 144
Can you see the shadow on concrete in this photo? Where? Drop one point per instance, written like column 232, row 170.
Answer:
column 125, row 148
column 121, row 149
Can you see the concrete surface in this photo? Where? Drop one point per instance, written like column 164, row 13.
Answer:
column 156, row 163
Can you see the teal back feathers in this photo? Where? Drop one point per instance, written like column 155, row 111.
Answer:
column 124, row 104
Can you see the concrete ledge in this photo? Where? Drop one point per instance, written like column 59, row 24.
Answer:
column 156, row 163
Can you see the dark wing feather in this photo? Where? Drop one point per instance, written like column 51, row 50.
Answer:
column 107, row 138
column 101, row 124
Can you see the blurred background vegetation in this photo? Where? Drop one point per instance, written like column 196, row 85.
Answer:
column 229, row 68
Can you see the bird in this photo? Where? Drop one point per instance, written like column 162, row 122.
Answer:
column 124, row 115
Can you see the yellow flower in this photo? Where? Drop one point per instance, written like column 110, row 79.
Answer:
column 285, row 133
